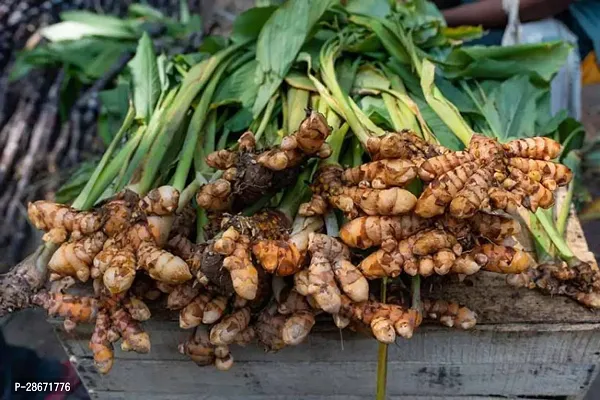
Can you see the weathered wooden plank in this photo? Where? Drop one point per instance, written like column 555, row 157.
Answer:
column 342, row 378
column 102, row 395
column 522, row 344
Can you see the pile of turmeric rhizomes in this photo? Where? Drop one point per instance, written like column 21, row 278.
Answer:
column 250, row 207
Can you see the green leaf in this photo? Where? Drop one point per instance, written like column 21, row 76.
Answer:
column 300, row 81
column 375, row 109
column 239, row 87
column 515, row 102
column 146, row 80
column 77, row 181
column 78, row 24
column 144, row 10
column 540, row 60
column 248, row 24
column 439, row 128
column 463, row 32
column 280, row 41
column 373, row 8
column 571, row 134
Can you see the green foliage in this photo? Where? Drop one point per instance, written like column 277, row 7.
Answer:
column 146, row 79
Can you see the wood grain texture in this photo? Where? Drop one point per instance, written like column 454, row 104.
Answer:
column 341, row 378
column 186, row 396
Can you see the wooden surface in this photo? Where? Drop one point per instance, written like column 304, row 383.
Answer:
column 525, row 344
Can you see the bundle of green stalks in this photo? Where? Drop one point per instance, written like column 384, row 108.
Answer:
column 310, row 153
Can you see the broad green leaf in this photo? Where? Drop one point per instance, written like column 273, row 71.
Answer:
column 375, row 109
column 540, row 60
column 463, row 32
column 146, row 80
column 373, row 8
column 346, row 73
column 144, row 10
column 442, row 107
column 387, row 37
column 571, row 134
column 300, row 81
column 239, row 87
column 280, row 41
column 72, row 30
column 248, row 24
column 438, row 127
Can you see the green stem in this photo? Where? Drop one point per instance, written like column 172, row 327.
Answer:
column 559, row 242
column 382, row 354
column 84, row 201
column 194, row 133
column 293, row 197
column 565, row 210
column 415, row 288
column 201, row 222
column 336, row 141
column 266, row 118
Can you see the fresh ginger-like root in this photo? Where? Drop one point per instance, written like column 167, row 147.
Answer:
column 316, row 206
column 381, row 174
column 225, row 245
column 214, row 310
column 245, row 337
column 119, row 277
column 76, row 308
column 429, row 242
column 292, row 301
column 165, row 287
column 225, row 332
column 182, row 295
column 440, row 192
column 184, row 222
column 365, row 232
column 269, row 328
column 474, row 195
column 384, row 202
column 501, row 199
column 279, row 257
column 222, row 159
column 162, row 265
column 297, row 327
column 579, row 281
column 130, row 331
column 191, row 254
column 308, row 140
column 56, row 236
column 543, row 171
column 46, row 215
column 322, row 285
column 301, row 282
column 75, row 258
column 386, row 320
column 160, row 227
column 198, row 347
column 160, row 201
column 191, row 315
column 449, row 314
column 215, row 196
column 351, row 280
column 100, row 344
column 439, row 165
column 224, row 360
column 243, row 273
column 118, row 214
column 494, row 227
column 405, row 145
column 538, row 148
column 504, row 260
column 469, row 263
column 534, row 193
column 136, row 308
column 103, row 259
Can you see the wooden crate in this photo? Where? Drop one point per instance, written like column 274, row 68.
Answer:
column 525, row 346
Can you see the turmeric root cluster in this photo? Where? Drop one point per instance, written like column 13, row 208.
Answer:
column 250, row 174
column 489, row 175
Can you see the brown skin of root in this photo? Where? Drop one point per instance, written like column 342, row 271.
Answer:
column 46, row 215
column 381, row 317
column 297, row 327
column 579, row 282
column 383, row 202
column 119, row 277
column 182, row 295
column 437, row 166
column 103, row 259
column 198, row 347
column 160, row 201
column 541, row 171
column 449, row 314
column 440, row 192
column 539, row 148
column 365, row 232
column 291, row 301
column 244, row 274
column 162, row 265
column 474, row 196
column 404, row 144
column 246, row 336
column 222, row 159
column 316, row 206
column 485, row 149
column 160, row 226
column 381, row 174
column 225, row 332
column 56, row 236
column 137, row 308
column 118, row 214
column 100, row 345
column 77, row 309
column 214, row 310
column 505, row 260
column 278, row 257
column 184, row 222
column 301, row 282
column 215, row 196
column 534, row 194
column 494, row 227
column 212, row 268
column 269, row 328
column 432, row 241
column 191, row 315
column 308, row 140
column 75, row 258
column 130, row 331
